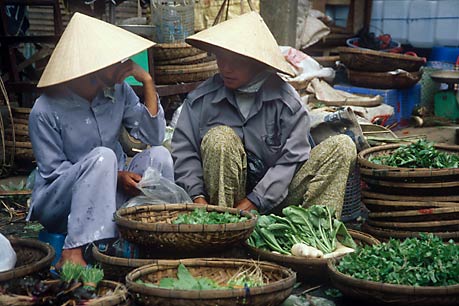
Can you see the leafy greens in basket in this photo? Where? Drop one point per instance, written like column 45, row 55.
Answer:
column 201, row 216
column 421, row 154
column 315, row 226
column 424, row 261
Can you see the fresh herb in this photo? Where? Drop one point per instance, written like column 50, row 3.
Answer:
column 424, row 261
column 421, row 154
column 315, row 226
column 201, row 216
column 91, row 277
column 251, row 276
column 71, row 272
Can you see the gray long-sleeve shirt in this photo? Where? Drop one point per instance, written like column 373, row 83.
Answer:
column 276, row 131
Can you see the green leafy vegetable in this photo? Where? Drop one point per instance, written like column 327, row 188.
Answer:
column 201, row 216
column 424, row 261
column 421, row 154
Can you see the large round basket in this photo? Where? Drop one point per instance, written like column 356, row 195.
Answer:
column 33, row 256
column 378, row 61
column 398, row 180
column 374, row 293
column 367, row 194
column 116, row 268
column 151, row 225
column 309, row 270
column 278, row 285
column 170, row 51
column 384, row 80
column 173, row 74
column 385, row 234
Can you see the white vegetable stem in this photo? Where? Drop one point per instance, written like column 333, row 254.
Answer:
column 301, row 249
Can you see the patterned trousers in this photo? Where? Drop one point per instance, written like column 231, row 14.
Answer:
column 321, row 180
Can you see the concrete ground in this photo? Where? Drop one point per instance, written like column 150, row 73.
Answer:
column 437, row 134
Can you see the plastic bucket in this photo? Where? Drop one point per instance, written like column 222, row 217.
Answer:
column 55, row 240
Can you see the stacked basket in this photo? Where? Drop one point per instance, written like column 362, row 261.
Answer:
column 378, row 69
column 177, row 63
column 21, row 145
column 406, row 201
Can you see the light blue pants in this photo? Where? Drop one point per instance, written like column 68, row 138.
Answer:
column 82, row 201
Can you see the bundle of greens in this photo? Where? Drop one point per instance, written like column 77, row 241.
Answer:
column 315, row 226
column 424, row 261
column 202, row 216
column 421, row 154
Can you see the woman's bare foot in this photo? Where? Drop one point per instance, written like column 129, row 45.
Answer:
column 74, row 255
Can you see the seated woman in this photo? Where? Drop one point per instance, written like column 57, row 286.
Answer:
column 83, row 175
column 242, row 136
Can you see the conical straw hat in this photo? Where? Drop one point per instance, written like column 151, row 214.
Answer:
column 87, row 45
column 246, row 35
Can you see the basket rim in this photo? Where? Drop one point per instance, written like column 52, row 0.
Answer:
column 416, row 212
column 298, row 260
column 120, row 261
column 389, row 288
column 389, row 203
column 390, row 171
column 33, row 267
column 283, row 284
column 383, row 196
column 380, row 54
column 420, row 224
column 388, row 233
column 183, row 228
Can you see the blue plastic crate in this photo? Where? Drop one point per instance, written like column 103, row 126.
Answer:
column 390, row 97
column 409, row 99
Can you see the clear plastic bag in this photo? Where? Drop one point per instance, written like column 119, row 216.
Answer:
column 7, row 254
column 157, row 190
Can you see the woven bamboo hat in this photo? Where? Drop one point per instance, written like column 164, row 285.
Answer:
column 87, row 45
column 247, row 35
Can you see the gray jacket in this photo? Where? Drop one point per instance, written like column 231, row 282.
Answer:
column 276, row 131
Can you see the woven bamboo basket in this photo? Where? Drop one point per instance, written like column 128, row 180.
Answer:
column 367, row 194
column 151, row 226
column 309, row 270
column 384, row 80
column 108, row 293
column 277, row 288
column 172, row 74
column 194, row 59
column 388, row 294
column 116, row 268
column 385, row 234
column 379, row 206
column 33, row 256
column 425, row 214
column 170, row 51
column 378, row 61
column 422, row 226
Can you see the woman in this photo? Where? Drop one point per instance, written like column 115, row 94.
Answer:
column 242, row 138
column 83, row 176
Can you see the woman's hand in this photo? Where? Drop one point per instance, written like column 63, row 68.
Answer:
column 245, row 204
column 127, row 182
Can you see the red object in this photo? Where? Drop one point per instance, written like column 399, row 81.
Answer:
column 426, row 211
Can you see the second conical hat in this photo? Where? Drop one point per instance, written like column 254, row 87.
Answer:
column 246, row 35
column 87, row 45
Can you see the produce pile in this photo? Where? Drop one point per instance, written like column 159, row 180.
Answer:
column 424, row 261
column 76, row 285
column 311, row 232
column 201, row 216
column 421, row 154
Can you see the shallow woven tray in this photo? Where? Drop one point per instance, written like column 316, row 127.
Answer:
column 383, row 80
column 375, row 205
column 378, row 61
column 110, row 293
column 169, row 51
column 388, row 294
column 309, row 270
column 425, row 214
column 172, row 74
column 392, row 197
column 33, row 256
column 422, row 226
column 150, row 225
column 385, row 234
column 194, row 59
column 281, row 281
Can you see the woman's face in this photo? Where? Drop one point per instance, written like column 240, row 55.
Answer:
column 236, row 70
